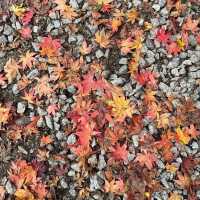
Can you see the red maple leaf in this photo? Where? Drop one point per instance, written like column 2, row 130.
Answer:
column 26, row 32
column 27, row 17
column 119, row 152
column 146, row 77
column 52, row 109
column 162, row 36
column 173, row 48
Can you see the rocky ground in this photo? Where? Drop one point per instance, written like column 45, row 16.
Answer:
column 100, row 99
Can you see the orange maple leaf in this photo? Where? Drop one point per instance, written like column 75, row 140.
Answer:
column 65, row 10
column 4, row 115
column 50, row 47
column 29, row 97
column 115, row 23
column 146, row 159
column 22, row 194
column 102, row 38
column 27, row 60
column 46, row 139
column 26, row 32
column 190, row 25
column 85, row 49
column 183, row 180
column 182, row 136
column 12, row 69
column 114, row 186
column 132, row 15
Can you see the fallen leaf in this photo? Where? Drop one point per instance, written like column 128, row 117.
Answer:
column 190, row 25
column 119, row 152
column 175, row 196
column 27, row 60
column 2, row 193
column 173, row 48
column 182, row 136
column 85, row 49
column 102, row 38
column 162, row 36
column 27, row 16
column 50, row 47
column 22, row 194
column 146, row 159
column 11, row 69
column 26, row 32
column 183, row 180
column 18, row 10
column 132, row 15
column 114, row 186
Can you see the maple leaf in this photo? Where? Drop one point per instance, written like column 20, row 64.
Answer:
column 29, row 97
column 46, row 139
column 115, row 23
column 26, row 32
column 50, row 47
column 146, row 158
column 175, row 196
column 182, row 136
column 2, row 193
column 27, row 16
column 85, row 49
column 27, row 60
column 119, row 152
column 171, row 168
column 12, row 69
column 2, row 80
column 52, row 109
column 4, row 115
column 132, row 15
column 66, row 11
column 198, row 38
column 163, row 120
column 173, row 48
column 102, row 38
column 22, row 173
column 40, row 190
column 82, row 150
column 114, row 186
column 146, row 78
column 43, row 87
column 18, row 10
column 126, row 45
column 192, row 132
column 121, row 107
column 22, row 194
column 162, row 36
column 190, row 25
column 183, row 180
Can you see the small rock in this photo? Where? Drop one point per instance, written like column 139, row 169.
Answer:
column 10, row 38
column 21, row 107
column 71, row 139
column 49, row 121
column 33, row 73
column 7, row 30
column 135, row 140
column 94, row 185
column 195, row 145
column 35, row 29
column 92, row 160
column 102, row 162
column 63, row 183
column 156, row 7
column 99, row 53
column 123, row 61
column 9, row 188
column 74, row 4
column 18, row 26
column 71, row 173
column 60, row 135
column 75, row 167
column 56, row 23
column 3, row 39
column 23, row 121
column 71, row 39
column 71, row 89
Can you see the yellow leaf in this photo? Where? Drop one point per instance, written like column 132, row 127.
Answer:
column 171, row 168
column 102, row 38
column 181, row 43
column 18, row 10
column 121, row 107
column 4, row 115
column 175, row 196
column 163, row 120
column 132, row 15
column 22, row 194
column 182, row 136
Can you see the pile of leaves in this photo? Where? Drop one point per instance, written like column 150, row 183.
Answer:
column 103, row 121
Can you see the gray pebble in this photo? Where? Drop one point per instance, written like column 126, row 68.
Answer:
column 102, row 162
column 49, row 121
column 92, row 160
column 60, row 135
column 71, row 139
column 156, row 7
column 63, row 183
column 94, row 184
column 74, row 4
column 3, row 39
column 99, row 53
column 33, row 73
column 123, row 61
column 21, row 107
column 9, row 188
column 7, row 30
